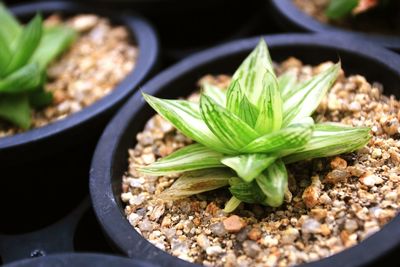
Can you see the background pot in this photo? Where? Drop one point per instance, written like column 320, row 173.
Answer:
column 211, row 22
column 110, row 159
column 50, row 164
column 291, row 18
column 79, row 260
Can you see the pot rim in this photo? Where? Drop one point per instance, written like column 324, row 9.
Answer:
column 110, row 214
column 79, row 259
column 307, row 23
column 146, row 39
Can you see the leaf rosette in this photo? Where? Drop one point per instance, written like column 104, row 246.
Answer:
column 25, row 52
column 246, row 134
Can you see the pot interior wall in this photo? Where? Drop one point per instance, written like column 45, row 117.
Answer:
column 185, row 84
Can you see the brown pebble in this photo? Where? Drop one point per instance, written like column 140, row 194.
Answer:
column 166, row 222
column 319, row 214
column 337, row 176
column 233, row 224
column 338, row 163
column 254, row 234
column 344, row 236
column 325, row 230
column 311, row 195
column 212, row 208
column 196, row 221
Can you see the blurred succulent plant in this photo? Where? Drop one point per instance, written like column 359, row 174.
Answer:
column 25, row 52
column 254, row 128
column 340, row 8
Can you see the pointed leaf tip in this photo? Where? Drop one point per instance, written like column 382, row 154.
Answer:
column 186, row 117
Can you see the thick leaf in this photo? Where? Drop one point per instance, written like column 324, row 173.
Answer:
column 251, row 72
column 273, row 182
column 238, row 104
column 15, row 109
column 216, row 93
column 229, row 128
column 189, row 158
column 232, row 204
column 246, row 192
column 287, row 84
column 40, row 98
column 26, row 44
column 54, row 41
column 5, row 54
column 307, row 98
column 270, row 104
column 248, row 166
column 331, row 139
column 196, row 182
column 185, row 116
column 9, row 26
column 292, row 137
column 340, row 8
column 27, row 78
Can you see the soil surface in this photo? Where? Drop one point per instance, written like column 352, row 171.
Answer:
column 378, row 20
column 91, row 68
column 335, row 202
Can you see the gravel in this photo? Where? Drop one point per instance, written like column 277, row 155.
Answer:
column 335, row 203
column 96, row 62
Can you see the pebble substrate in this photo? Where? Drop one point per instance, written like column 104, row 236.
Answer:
column 335, row 203
column 96, row 62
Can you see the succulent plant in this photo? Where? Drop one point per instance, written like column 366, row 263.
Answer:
column 341, row 8
column 25, row 52
column 246, row 134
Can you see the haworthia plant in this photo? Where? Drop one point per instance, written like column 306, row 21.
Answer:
column 340, row 8
column 246, row 135
column 25, row 52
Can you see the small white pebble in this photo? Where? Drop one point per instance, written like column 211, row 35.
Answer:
column 126, row 196
column 214, row 250
column 134, row 218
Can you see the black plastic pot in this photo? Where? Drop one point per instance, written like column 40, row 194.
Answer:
column 291, row 18
column 50, row 164
column 80, row 260
column 110, row 159
column 186, row 27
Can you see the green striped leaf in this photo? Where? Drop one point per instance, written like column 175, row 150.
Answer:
column 288, row 84
column 246, row 192
column 229, row 128
column 251, row 72
column 189, row 158
column 27, row 78
column 15, row 109
column 307, row 98
column 25, row 45
column 5, row 54
column 270, row 104
column 55, row 40
column 216, row 93
column 238, row 104
column 196, row 182
column 9, row 26
column 186, row 117
column 273, row 183
column 248, row 166
column 232, row 204
column 331, row 139
column 293, row 137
